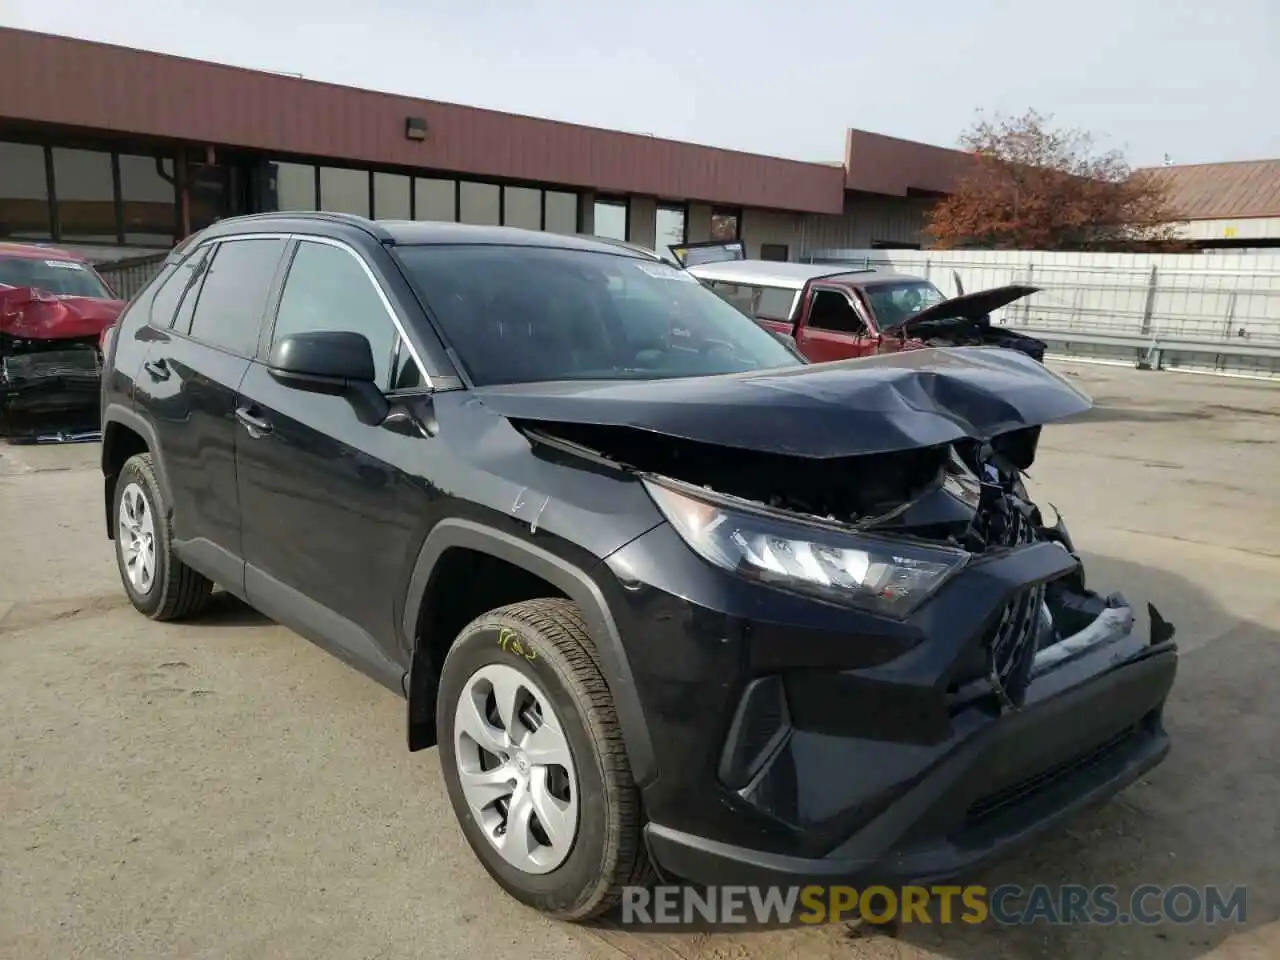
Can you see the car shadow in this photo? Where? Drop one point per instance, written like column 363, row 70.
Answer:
column 228, row 610
column 1206, row 817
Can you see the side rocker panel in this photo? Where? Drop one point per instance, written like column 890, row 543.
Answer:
column 575, row 584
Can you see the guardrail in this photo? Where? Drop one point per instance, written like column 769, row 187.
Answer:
column 127, row 277
column 1164, row 311
column 1168, row 353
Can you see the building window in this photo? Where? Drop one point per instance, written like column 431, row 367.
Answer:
column 726, row 224
column 391, row 196
column 24, row 192
column 669, row 229
column 147, row 200
column 775, row 251
column 522, row 207
column 85, row 187
column 344, row 191
column 612, row 219
column 480, row 203
column 561, row 212
column 435, row 199
column 294, row 187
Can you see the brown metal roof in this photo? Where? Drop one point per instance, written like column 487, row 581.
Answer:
column 78, row 83
column 878, row 164
column 1222, row 191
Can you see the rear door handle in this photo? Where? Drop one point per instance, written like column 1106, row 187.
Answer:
column 257, row 426
column 158, row 369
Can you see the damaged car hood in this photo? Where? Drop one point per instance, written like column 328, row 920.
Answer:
column 27, row 313
column 970, row 306
column 889, row 402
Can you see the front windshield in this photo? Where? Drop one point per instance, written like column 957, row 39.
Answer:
column 516, row 314
column 63, row 278
column 892, row 303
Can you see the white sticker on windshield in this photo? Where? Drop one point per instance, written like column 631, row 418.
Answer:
column 63, row 264
column 663, row 271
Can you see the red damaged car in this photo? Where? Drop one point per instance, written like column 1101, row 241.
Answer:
column 54, row 309
column 834, row 312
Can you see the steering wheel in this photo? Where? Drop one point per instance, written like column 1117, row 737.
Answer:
column 709, row 346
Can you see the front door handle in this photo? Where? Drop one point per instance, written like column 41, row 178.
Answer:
column 158, row 369
column 257, row 426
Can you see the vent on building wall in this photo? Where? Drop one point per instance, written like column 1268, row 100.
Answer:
column 415, row 128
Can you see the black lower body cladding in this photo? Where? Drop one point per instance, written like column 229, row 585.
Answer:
column 798, row 741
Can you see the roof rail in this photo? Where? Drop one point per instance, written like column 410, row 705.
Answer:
column 625, row 244
column 371, row 227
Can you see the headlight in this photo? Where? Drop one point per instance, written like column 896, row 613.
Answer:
column 877, row 574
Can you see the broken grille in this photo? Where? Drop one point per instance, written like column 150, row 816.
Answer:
column 1011, row 643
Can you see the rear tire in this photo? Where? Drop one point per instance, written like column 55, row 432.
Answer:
column 562, row 738
column 157, row 582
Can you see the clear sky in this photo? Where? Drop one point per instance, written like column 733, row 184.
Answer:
column 1196, row 79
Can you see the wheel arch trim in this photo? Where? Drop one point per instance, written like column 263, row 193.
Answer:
column 116, row 413
column 570, row 579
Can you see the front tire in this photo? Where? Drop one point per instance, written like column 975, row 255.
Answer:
column 534, row 761
column 157, row 582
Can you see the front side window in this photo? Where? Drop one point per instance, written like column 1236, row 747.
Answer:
column 233, row 297
column 832, row 311
column 328, row 290
column 528, row 314
column 893, row 303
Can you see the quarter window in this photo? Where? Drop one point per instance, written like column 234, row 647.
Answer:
column 233, row 297
column 327, row 290
column 765, row 303
column 165, row 303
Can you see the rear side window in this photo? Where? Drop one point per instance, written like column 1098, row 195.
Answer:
column 233, row 298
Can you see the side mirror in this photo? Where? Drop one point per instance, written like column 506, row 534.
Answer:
column 327, row 361
column 331, row 361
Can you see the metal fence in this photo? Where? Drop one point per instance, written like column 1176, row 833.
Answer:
column 127, row 277
column 1220, row 313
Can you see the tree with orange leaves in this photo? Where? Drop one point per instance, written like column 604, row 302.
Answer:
column 1033, row 187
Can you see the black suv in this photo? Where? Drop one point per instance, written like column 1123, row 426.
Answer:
column 665, row 596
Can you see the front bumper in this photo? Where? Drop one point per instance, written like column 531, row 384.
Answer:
column 798, row 742
column 50, row 380
column 992, row 791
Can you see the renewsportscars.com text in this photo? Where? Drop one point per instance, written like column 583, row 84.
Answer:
column 1007, row 905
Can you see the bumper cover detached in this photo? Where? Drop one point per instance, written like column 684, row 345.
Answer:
column 1091, row 725
column 50, row 380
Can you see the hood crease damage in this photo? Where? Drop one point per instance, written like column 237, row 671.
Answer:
column 973, row 419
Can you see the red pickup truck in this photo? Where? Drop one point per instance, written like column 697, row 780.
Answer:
column 836, row 312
